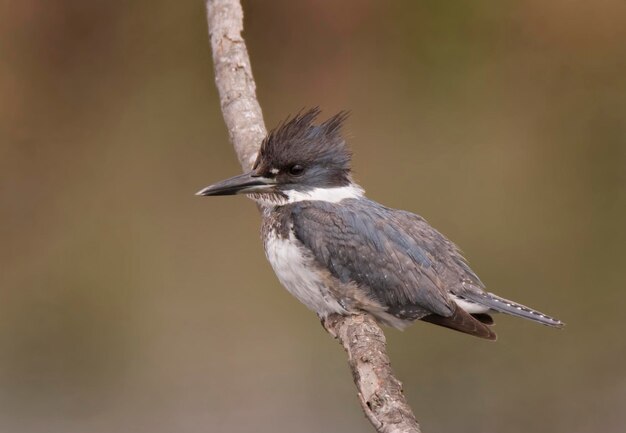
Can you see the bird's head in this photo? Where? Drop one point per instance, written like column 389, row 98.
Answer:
column 298, row 159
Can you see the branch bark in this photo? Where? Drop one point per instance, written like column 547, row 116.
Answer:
column 379, row 391
column 233, row 77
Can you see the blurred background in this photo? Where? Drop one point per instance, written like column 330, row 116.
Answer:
column 127, row 304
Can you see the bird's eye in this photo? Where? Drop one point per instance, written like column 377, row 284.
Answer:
column 296, row 170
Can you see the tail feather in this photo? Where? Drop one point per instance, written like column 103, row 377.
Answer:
column 503, row 305
column 462, row 321
column 483, row 318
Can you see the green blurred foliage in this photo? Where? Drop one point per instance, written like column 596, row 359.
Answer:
column 129, row 304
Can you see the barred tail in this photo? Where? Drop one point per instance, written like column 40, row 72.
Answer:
column 503, row 305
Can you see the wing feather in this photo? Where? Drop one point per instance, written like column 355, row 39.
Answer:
column 368, row 244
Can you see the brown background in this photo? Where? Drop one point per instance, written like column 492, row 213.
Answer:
column 127, row 304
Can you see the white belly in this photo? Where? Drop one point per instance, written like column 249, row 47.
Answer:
column 297, row 273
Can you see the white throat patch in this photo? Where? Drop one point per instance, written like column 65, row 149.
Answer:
column 331, row 195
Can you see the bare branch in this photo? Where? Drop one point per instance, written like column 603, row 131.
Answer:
column 233, row 77
column 379, row 391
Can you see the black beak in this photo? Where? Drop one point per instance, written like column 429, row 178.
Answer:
column 242, row 184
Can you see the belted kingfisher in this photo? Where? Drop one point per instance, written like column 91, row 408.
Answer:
column 339, row 252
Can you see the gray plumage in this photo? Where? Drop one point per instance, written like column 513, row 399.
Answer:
column 339, row 252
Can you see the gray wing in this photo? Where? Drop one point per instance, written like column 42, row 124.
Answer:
column 393, row 255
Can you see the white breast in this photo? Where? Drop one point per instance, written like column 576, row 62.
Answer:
column 297, row 273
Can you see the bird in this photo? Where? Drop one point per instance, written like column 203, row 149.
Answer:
column 339, row 252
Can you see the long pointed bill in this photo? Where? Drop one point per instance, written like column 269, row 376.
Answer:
column 242, row 184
